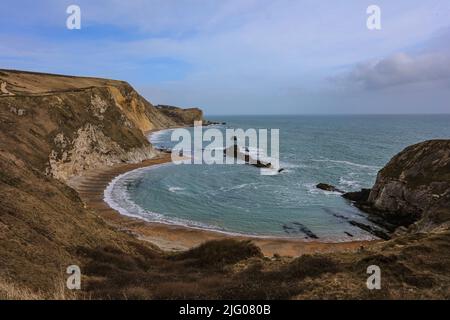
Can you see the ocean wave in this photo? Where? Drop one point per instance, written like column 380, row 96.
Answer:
column 176, row 189
column 349, row 183
column 348, row 163
column 158, row 136
column 289, row 165
column 117, row 197
column 237, row 187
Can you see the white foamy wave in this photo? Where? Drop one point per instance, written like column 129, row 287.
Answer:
column 176, row 189
column 237, row 187
column 349, row 183
column 159, row 136
column 270, row 171
column 117, row 197
column 348, row 163
column 288, row 165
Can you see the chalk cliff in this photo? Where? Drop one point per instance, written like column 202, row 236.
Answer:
column 67, row 125
column 52, row 128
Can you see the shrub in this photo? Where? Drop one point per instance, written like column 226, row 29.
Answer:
column 219, row 253
column 311, row 266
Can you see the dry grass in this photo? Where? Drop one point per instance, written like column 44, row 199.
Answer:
column 238, row 271
column 12, row 291
column 311, row 266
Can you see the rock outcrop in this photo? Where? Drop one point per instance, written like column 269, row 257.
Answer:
column 357, row 196
column 181, row 116
column 235, row 152
column 328, row 187
column 412, row 190
column 415, row 183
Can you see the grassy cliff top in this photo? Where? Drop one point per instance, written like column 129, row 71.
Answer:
column 26, row 82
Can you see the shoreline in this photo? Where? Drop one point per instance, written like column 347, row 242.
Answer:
column 91, row 187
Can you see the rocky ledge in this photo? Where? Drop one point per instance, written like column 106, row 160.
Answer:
column 412, row 192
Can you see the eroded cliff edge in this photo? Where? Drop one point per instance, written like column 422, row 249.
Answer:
column 412, row 192
column 54, row 127
column 414, row 187
column 67, row 125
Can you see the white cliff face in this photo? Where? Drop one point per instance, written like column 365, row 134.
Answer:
column 110, row 130
column 98, row 107
column 89, row 150
column 104, row 137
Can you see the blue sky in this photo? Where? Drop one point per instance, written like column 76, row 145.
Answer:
column 245, row 56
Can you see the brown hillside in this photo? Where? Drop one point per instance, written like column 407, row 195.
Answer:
column 55, row 127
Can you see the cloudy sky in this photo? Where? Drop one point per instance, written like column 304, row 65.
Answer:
column 245, row 56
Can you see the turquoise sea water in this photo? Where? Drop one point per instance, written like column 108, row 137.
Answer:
column 346, row 151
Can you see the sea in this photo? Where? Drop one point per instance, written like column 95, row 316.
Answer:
column 346, row 151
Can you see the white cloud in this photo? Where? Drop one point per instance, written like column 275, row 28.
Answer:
column 237, row 52
column 400, row 69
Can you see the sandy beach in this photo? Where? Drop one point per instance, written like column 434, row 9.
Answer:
column 91, row 188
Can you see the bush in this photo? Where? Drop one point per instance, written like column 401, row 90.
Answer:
column 219, row 253
column 311, row 266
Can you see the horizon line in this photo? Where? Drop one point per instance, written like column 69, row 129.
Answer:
column 329, row 114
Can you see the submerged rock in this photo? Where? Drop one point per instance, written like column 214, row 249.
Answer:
column 372, row 230
column 328, row 187
column 348, row 234
column 298, row 228
column 213, row 123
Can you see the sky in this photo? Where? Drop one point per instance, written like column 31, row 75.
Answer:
column 245, row 56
